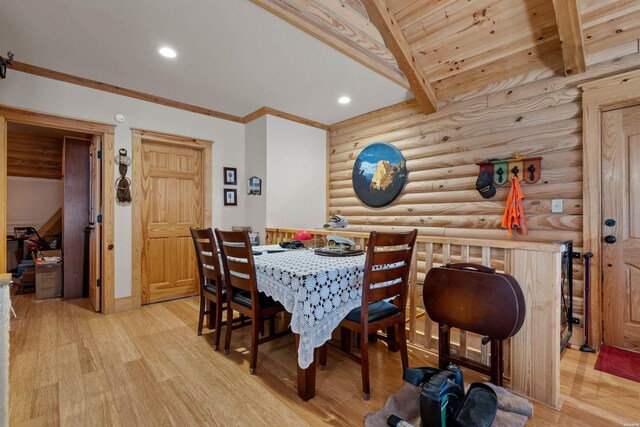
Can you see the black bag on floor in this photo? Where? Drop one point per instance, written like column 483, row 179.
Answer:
column 444, row 403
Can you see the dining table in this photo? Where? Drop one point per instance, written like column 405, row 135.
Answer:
column 319, row 291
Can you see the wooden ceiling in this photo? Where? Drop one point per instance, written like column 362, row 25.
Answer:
column 36, row 152
column 458, row 46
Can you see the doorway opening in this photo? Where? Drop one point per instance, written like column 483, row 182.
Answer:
column 611, row 153
column 54, row 203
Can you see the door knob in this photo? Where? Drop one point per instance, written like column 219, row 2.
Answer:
column 610, row 222
column 610, row 239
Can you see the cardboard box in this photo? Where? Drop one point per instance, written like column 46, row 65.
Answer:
column 50, row 253
column 48, row 280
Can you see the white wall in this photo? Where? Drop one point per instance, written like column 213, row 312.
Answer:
column 30, row 203
column 296, row 174
column 255, row 137
column 53, row 97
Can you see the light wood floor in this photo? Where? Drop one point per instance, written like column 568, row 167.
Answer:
column 70, row 366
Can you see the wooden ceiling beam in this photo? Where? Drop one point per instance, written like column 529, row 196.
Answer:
column 569, row 23
column 381, row 16
column 341, row 26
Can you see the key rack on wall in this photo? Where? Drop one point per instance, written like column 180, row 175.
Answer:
column 526, row 169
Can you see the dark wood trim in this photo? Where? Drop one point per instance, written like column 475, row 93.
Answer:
column 29, row 117
column 93, row 84
column 273, row 112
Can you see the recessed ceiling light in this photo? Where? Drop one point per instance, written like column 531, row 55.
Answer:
column 344, row 100
column 167, row 52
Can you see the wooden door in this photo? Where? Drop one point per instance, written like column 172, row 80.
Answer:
column 95, row 210
column 171, row 201
column 621, row 245
column 75, row 215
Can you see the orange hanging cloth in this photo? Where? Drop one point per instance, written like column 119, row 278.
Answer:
column 514, row 214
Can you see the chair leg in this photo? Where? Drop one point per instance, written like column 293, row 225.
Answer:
column 227, row 335
column 345, row 339
column 201, row 315
column 216, row 347
column 364, row 364
column 272, row 325
column 322, row 357
column 255, row 329
column 210, row 317
column 402, row 336
column 392, row 338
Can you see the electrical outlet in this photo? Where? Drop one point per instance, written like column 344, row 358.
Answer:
column 556, row 206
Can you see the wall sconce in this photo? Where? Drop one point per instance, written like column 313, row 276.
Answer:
column 254, row 186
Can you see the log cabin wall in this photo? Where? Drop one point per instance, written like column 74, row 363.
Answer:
column 538, row 118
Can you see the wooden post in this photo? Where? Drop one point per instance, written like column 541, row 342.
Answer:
column 539, row 276
column 428, row 324
column 413, row 290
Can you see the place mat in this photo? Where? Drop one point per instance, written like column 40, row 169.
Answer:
column 337, row 252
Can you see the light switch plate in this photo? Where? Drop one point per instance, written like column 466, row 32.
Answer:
column 556, row 205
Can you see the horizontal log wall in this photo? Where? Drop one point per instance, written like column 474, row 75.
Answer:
column 542, row 118
column 34, row 156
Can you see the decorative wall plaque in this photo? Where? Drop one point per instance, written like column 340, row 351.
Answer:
column 379, row 174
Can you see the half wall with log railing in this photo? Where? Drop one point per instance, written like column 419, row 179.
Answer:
column 536, row 267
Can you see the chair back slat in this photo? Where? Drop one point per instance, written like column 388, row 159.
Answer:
column 388, row 274
column 385, row 292
column 237, row 260
column 387, row 268
column 207, row 257
column 235, row 250
column 391, row 256
column 393, row 239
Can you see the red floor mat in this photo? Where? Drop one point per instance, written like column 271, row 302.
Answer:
column 619, row 362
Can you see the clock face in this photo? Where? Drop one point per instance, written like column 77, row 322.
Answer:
column 379, row 174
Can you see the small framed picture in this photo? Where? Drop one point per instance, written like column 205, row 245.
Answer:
column 230, row 197
column 230, row 176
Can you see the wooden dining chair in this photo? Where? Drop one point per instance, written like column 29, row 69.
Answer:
column 384, row 297
column 242, row 291
column 212, row 289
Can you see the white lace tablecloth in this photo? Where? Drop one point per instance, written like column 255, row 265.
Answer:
column 318, row 291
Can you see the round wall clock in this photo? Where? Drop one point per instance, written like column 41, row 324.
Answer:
column 379, row 174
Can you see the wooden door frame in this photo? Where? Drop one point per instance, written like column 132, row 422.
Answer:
column 137, row 233
column 106, row 131
column 598, row 96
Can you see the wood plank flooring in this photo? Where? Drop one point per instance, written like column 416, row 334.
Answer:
column 70, row 366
